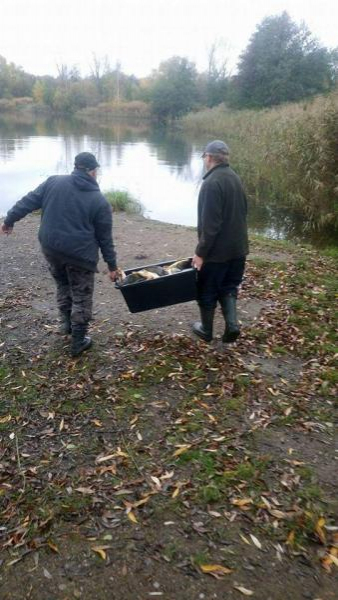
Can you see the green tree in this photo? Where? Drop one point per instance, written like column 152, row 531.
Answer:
column 174, row 91
column 282, row 63
column 14, row 82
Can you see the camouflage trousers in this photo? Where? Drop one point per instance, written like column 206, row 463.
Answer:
column 74, row 289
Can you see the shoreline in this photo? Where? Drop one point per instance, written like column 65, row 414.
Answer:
column 154, row 454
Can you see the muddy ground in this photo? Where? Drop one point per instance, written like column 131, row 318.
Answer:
column 157, row 465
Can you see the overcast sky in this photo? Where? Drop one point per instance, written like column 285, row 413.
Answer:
column 38, row 34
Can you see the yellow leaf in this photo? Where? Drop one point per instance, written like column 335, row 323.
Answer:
column 140, row 502
column 216, row 570
column 244, row 539
column 132, row 517
column 6, row 419
column 182, row 450
column 241, row 501
column 53, row 546
column 97, row 422
column 319, row 530
column 291, row 538
column 333, row 559
column 175, row 493
column 212, row 418
column 100, row 550
column 243, row 590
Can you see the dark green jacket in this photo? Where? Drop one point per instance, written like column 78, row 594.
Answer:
column 222, row 209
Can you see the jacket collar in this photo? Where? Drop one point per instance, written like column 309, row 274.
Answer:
column 221, row 166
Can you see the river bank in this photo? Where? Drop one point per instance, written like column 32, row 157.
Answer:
column 155, row 459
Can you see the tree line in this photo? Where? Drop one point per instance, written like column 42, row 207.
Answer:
column 282, row 62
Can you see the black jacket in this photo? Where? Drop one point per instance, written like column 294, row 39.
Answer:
column 222, row 209
column 76, row 219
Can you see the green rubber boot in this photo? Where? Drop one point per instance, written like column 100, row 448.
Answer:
column 204, row 327
column 229, row 310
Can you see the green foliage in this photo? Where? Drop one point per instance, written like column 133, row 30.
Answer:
column 282, row 63
column 14, row 82
column 122, row 201
column 174, row 90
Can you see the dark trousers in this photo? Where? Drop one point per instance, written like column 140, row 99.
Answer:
column 216, row 280
column 74, row 289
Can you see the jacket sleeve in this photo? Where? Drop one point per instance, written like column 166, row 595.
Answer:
column 211, row 218
column 103, row 224
column 32, row 201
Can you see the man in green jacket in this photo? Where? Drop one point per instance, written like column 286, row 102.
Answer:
column 222, row 242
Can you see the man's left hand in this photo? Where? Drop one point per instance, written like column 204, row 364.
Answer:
column 197, row 262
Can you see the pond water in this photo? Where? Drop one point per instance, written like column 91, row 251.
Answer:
column 161, row 168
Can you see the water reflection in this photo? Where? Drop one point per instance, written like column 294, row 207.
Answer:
column 160, row 167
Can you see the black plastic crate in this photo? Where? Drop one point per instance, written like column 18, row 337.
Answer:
column 156, row 293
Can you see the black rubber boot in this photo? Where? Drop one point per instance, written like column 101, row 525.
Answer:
column 80, row 341
column 229, row 310
column 204, row 328
column 65, row 327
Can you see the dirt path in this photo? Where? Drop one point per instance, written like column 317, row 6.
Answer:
column 129, row 473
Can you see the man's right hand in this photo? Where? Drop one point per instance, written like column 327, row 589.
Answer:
column 6, row 229
column 113, row 275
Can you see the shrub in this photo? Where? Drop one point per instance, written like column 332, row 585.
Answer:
column 122, row 201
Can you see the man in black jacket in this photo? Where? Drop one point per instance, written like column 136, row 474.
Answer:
column 222, row 242
column 76, row 221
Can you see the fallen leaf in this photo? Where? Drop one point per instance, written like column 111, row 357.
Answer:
column 244, row 539
column 100, row 550
column 175, row 492
column 85, row 490
column 47, row 574
column 319, row 530
column 215, row 570
column 132, row 517
column 140, row 502
column 181, row 450
column 291, row 538
column 53, row 546
column 241, row 501
column 243, row 590
column 256, row 541
column 6, row 419
column 277, row 513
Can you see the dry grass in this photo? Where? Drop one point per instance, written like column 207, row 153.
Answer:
column 288, row 154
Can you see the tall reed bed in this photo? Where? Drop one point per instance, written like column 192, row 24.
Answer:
column 287, row 154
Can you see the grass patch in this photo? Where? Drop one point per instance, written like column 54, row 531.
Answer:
column 123, row 201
